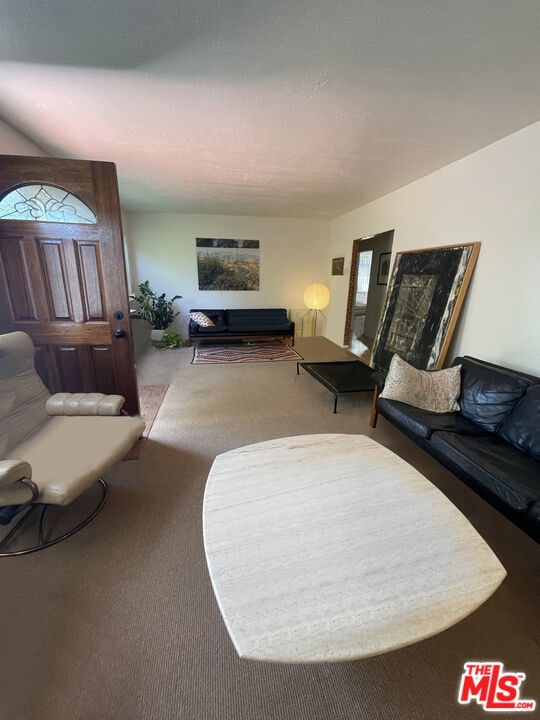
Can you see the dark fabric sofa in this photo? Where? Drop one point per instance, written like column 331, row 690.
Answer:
column 252, row 324
column 492, row 443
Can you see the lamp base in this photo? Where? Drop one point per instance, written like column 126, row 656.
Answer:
column 314, row 319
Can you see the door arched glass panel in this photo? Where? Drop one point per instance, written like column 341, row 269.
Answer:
column 44, row 203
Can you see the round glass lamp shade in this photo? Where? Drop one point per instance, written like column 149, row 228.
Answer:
column 316, row 296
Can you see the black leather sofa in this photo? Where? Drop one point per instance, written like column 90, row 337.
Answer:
column 251, row 324
column 492, row 443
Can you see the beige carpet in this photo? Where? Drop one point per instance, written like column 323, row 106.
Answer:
column 120, row 622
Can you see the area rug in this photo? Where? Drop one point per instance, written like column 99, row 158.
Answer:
column 243, row 352
column 150, row 399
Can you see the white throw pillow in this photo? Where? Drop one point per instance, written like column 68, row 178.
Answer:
column 201, row 319
column 436, row 390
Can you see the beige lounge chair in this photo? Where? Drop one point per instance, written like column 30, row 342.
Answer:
column 52, row 447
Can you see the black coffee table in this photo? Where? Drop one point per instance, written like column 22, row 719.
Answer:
column 340, row 377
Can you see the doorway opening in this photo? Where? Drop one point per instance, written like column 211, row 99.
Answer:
column 367, row 291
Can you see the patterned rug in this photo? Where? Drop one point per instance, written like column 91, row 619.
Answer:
column 243, row 352
column 150, row 399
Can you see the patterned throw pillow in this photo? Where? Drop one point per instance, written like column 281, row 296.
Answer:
column 436, row 391
column 201, row 319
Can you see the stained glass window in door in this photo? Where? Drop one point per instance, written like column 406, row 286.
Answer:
column 44, row 203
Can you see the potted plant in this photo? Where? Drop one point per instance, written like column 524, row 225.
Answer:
column 156, row 309
column 170, row 340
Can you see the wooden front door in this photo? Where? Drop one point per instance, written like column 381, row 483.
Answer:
column 63, row 275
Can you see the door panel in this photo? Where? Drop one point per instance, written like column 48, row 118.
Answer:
column 53, row 263
column 89, row 268
column 18, row 260
column 80, row 368
column 64, row 282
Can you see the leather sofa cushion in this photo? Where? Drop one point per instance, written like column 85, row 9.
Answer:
column 534, row 512
column 423, row 422
column 240, row 329
column 522, row 427
column 251, row 320
column 284, row 327
column 488, row 393
column 506, row 472
column 209, row 330
column 257, row 318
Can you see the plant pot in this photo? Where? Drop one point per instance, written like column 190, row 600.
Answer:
column 157, row 335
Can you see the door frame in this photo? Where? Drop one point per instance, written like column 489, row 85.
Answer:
column 387, row 235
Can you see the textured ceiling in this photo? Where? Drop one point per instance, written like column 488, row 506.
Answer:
column 293, row 108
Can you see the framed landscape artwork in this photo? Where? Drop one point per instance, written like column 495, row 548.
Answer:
column 226, row 264
column 422, row 305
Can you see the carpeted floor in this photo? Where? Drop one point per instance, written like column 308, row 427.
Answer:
column 120, row 622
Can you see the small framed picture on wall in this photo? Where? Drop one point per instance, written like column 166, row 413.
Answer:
column 384, row 268
column 337, row 266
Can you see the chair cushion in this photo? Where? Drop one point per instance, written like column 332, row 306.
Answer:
column 22, row 394
column 25, row 413
column 436, row 391
column 84, row 404
column 69, row 454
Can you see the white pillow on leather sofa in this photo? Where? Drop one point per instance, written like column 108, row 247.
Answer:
column 435, row 390
column 201, row 319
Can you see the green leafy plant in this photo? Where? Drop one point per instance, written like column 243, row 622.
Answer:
column 155, row 309
column 171, row 339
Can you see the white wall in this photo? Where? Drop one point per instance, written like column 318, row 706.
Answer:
column 491, row 196
column 293, row 254
column 13, row 142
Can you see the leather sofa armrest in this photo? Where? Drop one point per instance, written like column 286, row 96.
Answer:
column 84, row 404
column 379, row 378
column 16, row 484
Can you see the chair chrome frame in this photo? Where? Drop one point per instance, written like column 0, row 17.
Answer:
column 31, row 508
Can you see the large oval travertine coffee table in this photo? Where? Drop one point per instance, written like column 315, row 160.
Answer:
column 330, row 547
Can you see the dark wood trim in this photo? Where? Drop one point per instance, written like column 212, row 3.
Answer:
column 68, row 333
column 374, row 412
column 352, row 290
column 231, row 337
